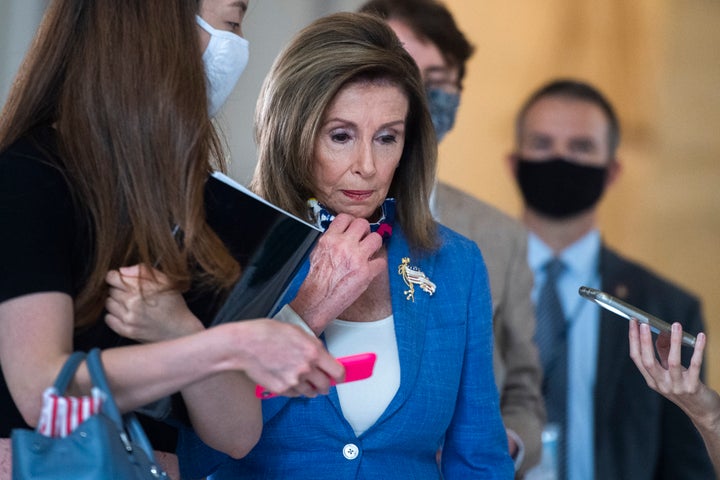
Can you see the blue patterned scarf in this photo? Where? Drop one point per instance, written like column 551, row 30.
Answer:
column 323, row 217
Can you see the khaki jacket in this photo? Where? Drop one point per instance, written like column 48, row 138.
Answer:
column 518, row 375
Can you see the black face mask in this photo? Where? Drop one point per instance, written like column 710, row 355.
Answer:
column 559, row 187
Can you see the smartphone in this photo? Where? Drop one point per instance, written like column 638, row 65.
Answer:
column 629, row 312
column 357, row 367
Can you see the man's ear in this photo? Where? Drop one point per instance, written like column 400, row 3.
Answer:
column 512, row 163
column 614, row 172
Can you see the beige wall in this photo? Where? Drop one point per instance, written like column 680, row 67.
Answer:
column 659, row 62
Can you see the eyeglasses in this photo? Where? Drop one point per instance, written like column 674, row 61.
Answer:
column 442, row 79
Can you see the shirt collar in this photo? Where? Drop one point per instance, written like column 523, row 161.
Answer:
column 580, row 258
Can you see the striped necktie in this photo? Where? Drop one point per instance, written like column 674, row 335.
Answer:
column 551, row 338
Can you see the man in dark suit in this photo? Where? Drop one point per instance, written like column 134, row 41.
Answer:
column 612, row 426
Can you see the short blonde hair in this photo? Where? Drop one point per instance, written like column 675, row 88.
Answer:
column 326, row 56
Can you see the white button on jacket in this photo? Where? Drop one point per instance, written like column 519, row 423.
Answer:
column 351, row 451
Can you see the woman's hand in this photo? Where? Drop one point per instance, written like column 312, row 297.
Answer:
column 680, row 385
column 142, row 307
column 342, row 265
column 284, row 359
column 278, row 356
column 668, row 377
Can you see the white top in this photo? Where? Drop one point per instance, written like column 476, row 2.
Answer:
column 363, row 401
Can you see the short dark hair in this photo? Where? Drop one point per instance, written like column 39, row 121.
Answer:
column 573, row 90
column 429, row 19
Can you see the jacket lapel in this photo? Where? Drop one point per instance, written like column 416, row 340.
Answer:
column 410, row 318
column 613, row 348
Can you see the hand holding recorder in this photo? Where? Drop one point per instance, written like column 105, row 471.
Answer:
column 630, row 312
column 357, row 367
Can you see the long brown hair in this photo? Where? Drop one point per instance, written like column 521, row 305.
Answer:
column 326, row 56
column 123, row 84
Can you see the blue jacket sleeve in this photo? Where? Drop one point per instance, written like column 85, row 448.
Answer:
column 476, row 442
column 195, row 458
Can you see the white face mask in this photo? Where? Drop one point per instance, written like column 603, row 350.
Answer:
column 225, row 59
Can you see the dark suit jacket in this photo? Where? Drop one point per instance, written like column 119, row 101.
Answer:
column 638, row 433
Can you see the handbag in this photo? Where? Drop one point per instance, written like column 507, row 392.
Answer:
column 106, row 446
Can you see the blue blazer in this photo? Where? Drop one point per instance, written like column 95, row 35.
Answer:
column 447, row 395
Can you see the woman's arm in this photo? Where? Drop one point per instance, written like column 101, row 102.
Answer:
column 142, row 307
column 157, row 313
column 680, row 385
column 36, row 338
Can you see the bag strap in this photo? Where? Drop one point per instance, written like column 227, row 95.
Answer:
column 126, row 424
column 67, row 372
column 97, row 375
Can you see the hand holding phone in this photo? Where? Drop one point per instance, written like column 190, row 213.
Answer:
column 357, row 367
column 630, row 312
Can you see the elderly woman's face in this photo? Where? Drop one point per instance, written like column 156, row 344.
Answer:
column 358, row 148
